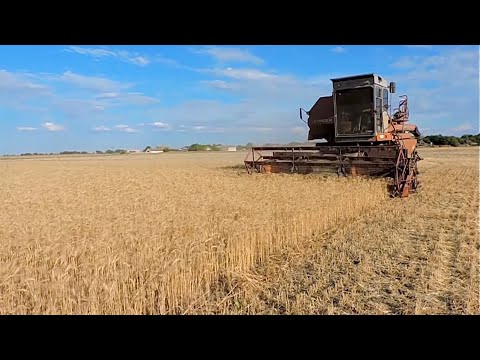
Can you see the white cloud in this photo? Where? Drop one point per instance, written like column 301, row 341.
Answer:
column 219, row 84
column 230, row 54
column 241, row 74
column 131, row 98
column 126, row 128
column 123, row 55
column 428, row 47
column 455, row 67
column 95, row 52
column 167, row 61
column 258, row 105
column 463, row 127
column 263, row 107
column 339, row 49
column 74, row 95
column 443, row 88
column 137, row 98
column 216, row 130
column 79, row 108
column 108, row 95
column 50, row 126
column 159, row 125
column 260, row 129
column 140, row 60
column 405, row 62
column 100, row 84
column 298, row 130
column 26, row 128
column 201, row 129
column 101, row 128
column 20, row 84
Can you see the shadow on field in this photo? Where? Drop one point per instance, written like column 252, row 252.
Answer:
column 390, row 187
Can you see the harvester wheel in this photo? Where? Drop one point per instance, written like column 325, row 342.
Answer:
column 401, row 185
column 415, row 183
column 406, row 174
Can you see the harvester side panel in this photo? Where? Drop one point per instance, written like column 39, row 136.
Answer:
column 320, row 119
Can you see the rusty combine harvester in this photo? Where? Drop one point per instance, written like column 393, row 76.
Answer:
column 360, row 137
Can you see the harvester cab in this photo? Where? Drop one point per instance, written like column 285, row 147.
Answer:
column 355, row 133
column 356, row 112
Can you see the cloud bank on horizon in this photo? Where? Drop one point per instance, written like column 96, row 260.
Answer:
column 55, row 98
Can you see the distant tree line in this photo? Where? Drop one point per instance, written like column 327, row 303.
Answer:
column 34, row 154
column 472, row 140
column 439, row 140
column 73, row 152
column 60, row 153
column 118, row 151
column 193, row 147
column 204, row 147
column 215, row 147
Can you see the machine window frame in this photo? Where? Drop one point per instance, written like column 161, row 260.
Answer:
column 372, row 96
column 385, row 100
column 379, row 106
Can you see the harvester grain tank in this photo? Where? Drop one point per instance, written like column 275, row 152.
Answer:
column 355, row 133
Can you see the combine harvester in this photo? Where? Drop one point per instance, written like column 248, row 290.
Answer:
column 360, row 137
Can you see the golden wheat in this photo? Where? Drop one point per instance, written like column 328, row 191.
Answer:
column 189, row 233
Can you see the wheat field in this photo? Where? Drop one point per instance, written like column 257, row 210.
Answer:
column 192, row 233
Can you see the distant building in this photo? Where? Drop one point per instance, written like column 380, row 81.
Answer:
column 232, row 148
column 150, row 151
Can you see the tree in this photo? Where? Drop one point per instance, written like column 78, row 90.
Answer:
column 147, row 148
column 196, row 147
column 453, row 141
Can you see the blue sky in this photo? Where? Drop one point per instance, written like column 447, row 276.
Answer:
column 55, row 98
